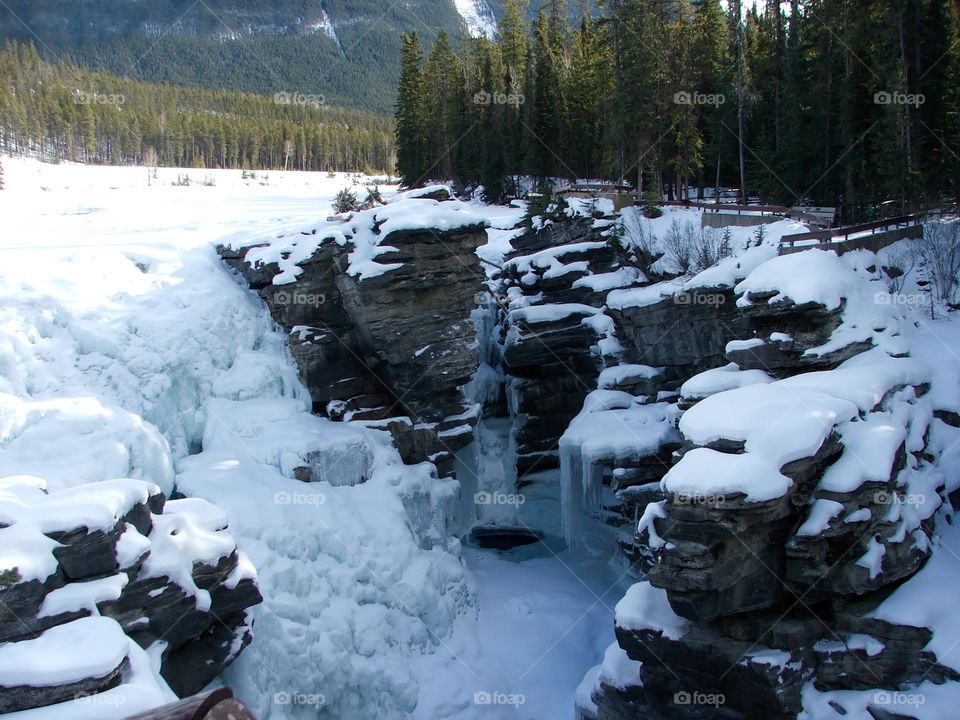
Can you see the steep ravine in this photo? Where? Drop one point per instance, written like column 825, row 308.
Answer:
column 749, row 443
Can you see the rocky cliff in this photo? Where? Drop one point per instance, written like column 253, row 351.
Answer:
column 804, row 491
column 113, row 567
column 386, row 343
column 757, row 435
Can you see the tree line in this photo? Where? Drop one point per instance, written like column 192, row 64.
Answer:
column 823, row 102
column 64, row 112
column 345, row 49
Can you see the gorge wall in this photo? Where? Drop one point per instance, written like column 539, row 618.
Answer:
column 757, row 435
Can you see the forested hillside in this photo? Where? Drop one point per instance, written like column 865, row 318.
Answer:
column 345, row 50
column 678, row 94
column 63, row 112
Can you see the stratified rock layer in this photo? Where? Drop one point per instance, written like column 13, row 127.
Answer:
column 163, row 572
column 392, row 348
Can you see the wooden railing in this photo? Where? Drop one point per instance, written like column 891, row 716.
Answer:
column 217, row 705
column 821, row 217
column 842, row 234
column 727, row 207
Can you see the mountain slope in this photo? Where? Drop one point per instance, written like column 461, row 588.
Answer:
column 344, row 50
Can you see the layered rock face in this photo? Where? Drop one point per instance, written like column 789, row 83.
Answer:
column 378, row 309
column 113, row 567
column 550, row 296
column 801, row 493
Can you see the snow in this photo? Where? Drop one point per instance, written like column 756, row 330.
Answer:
column 362, row 232
column 864, row 379
column 707, row 475
column 541, row 624
column 478, row 17
column 717, row 380
column 28, row 550
column 617, row 375
column 784, row 421
column 583, row 699
column 189, row 531
column 869, row 450
column 29, row 512
column 645, row 607
column 413, row 214
column 90, row 647
column 141, row 689
column 602, row 282
column 643, row 296
column 127, row 345
column 745, row 256
column 131, row 547
column 94, row 441
column 96, row 506
column 554, row 312
column 770, row 657
column 813, row 276
column 740, row 345
column 612, row 427
column 652, row 512
column 730, row 270
column 618, row 670
column 83, row 595
column 872, row 559
column 927, row 600
column 821, row 512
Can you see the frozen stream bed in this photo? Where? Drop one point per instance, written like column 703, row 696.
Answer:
column 545, row 616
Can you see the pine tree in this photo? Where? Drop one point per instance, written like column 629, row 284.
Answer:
column 711, row 55
column 491, row 127
column 512, row 38
column 546, row 114
column 438, row 78
column 410, row 116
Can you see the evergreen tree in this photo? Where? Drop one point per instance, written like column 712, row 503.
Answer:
column 671, row 94
column 410, row 115
column 438, row 80
column 546, row 110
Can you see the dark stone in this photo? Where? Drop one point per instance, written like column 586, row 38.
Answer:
column 85, row 554
column 25, row 697
column 191, row 666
